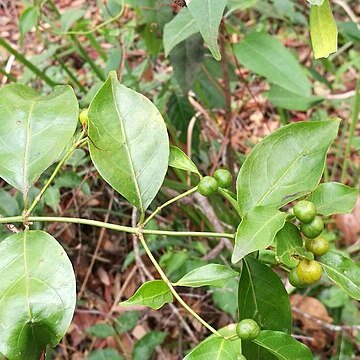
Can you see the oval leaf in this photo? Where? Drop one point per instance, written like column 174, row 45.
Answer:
column 29, row 19
column 34, row 130
column 208, row 275
column 334, row 198
column 153, row 294
column 288, row 243
column 215, row 347
column 302, row 147
column 179, row 160
column 182, row 26
column 282, row 345
column 267, row 56
column 343, row 272
column 208, row 15
column 130, row 145
column 323, row 30
column 256, row 231
column 38, row 294
column 262, row 297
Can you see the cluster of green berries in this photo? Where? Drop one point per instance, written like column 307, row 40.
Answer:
column 209, row 185
column 309, row 271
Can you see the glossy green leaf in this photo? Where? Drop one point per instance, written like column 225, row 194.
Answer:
column 334, row 198
column 344, row 272
column 289, row 100
column 208, row 15
column 302, row 148
column 38, row 294
column 266, row 56
column 262, row 297
column 145, row 347
column 208, row 275
column 215, row 347
column 178, row 29
column 323, row 30
column 153, row 294
column 179, row 160
column 28, row 19
column 257, row 230
column 130, row 145
column 34, row 130
column 288, row 243
column 283, row 345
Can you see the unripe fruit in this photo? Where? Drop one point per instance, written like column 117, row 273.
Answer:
column 305, row 211
column 83, row 117
column 247, row 329
column 223, row 177
column 207, row 186
column 294, row 279
column 318, row 246
column 309, row 272
column 313, row 229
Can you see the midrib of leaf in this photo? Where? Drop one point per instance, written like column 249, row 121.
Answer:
column 252, row 288
column 26, row 154
column 271, row 189
column 220, row 350
column 26, row 274
column 136, row 184
column 341, row 275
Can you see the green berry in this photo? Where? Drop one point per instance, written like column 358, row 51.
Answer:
column 223, row 177
column 248, row 329
column 207, row 186
column 318, row 246
column 294, row 279
column 305, row 211
column 309, row 271
column 313, row 229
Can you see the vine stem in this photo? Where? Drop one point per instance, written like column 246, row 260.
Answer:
column 176, row 198
column 172, row 289
column 111, row 226
column 75, row 145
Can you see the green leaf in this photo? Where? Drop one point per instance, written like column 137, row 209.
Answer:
column 34, row 130
column 266, row 56
column 257, row 230
column 226, row 298
column 105, row 354
column 334, row 198
column 262, row 297
column 302, row 148
column 38, row 294
column 208, row 15
column 179, row 160
column 315, row 2
column 130, row 145
column 28, row 19
column 288, row 243
column 215, row 347
column 208, row 275
column 145, row 347
column 69, row 17
column 101, row 330
column 343, row 272
column 293, row 101
column 52, row 197
column 182, row 26
column 323, row 30
column 154, row 294
column 127, row 321
column 283, row 345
